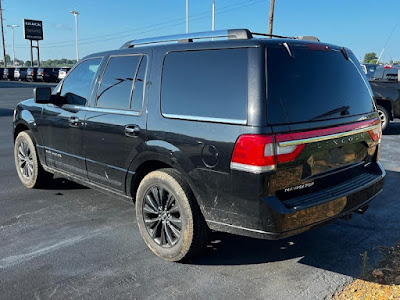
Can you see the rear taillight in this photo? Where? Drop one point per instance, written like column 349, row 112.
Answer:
column 376, row 133
column 261, row 153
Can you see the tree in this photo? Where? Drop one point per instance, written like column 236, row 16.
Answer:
column 370, row 57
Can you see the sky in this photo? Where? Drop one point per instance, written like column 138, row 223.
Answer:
column 361, row 25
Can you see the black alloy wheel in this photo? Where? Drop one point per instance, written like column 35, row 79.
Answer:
column 162, row 216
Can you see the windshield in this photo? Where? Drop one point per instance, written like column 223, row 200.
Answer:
column 314, row 85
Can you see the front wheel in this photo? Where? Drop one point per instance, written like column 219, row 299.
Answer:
column 384, row 116
column 169, row 217
column 29, row 169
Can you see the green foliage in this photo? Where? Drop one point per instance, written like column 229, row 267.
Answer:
column 63, row 62
column 370, row 57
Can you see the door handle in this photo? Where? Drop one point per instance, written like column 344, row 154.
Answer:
column 73, row 121
column 132, row 130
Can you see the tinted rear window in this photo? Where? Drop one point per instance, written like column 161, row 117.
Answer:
column 209, row 85
column 314, row 85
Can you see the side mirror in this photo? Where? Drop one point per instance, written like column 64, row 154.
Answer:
column 42, row 95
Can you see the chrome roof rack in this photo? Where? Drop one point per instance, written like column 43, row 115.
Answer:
column 231, row 34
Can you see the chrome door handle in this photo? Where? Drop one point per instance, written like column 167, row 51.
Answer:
column 132, row 130
column 73, row 121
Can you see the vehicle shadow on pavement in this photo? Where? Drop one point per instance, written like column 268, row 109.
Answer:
column 63, row 184
column 392, row 129
column 350, row 248
column 5, row 112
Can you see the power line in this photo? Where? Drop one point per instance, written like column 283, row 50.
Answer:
column 137, row 32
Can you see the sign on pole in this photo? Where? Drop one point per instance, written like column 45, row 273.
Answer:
column 33, row 30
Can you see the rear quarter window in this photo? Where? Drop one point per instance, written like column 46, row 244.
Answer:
column 207, row 85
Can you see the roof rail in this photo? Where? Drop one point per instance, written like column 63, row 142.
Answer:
column 231, row 34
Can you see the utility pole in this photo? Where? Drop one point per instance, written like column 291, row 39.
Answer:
column 271, row 16
column 13, row 46
column 75, row 13
column 213, row 16
column 2, row 35
column 187, row 16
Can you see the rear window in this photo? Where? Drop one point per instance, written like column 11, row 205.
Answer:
column 207, row 85
column 314, row 85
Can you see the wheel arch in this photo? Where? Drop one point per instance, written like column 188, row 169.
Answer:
column 387, row 104
column 150, row 162
column 21, row 126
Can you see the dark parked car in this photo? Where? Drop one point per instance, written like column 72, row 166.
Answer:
column 62, row 73
column 1, row 73
column 47, row 74
column 385, row 85
column 8, row 73
column 237, row 135
column 20, row 73
column 31, row 74
column 369, row 69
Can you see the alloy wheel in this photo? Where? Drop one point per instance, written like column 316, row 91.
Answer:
column 382, row 116
column 25, row 160
column 162, row 216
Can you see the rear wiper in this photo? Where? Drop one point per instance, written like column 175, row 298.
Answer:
column 344, row 110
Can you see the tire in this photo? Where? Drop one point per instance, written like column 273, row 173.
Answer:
column 384, row 116
column 172, row 225
column 29, row 169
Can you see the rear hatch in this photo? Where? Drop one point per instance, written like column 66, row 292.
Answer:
column 326, row 130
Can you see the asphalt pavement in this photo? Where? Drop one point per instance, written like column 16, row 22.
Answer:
column 70, row 242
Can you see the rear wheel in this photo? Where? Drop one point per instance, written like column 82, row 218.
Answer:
column 384, row 116
column 169, row 217
column 29, row 169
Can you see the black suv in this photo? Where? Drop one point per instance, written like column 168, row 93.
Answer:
column 31, row 74
column 47, row 74
column 240, row 135
column 8, row 73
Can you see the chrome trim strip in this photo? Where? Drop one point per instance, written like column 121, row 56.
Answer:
column 238, row 227
column 326, row 137
column 205, row 119
column 251, row 169
column 104, row 110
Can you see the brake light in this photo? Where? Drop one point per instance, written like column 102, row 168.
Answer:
column 376, row 133
column 318, row 47
column 261, row 153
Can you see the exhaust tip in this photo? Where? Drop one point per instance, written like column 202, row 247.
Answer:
column 362, row 210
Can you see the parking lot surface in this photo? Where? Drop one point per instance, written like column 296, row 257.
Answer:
column 70, row 242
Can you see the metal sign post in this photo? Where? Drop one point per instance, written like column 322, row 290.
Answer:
column 33, row 31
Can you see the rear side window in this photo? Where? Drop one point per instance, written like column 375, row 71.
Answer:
column 117, row 83
column 209, row 85
column 314, row 85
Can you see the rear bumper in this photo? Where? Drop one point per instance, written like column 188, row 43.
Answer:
column 277, row 221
